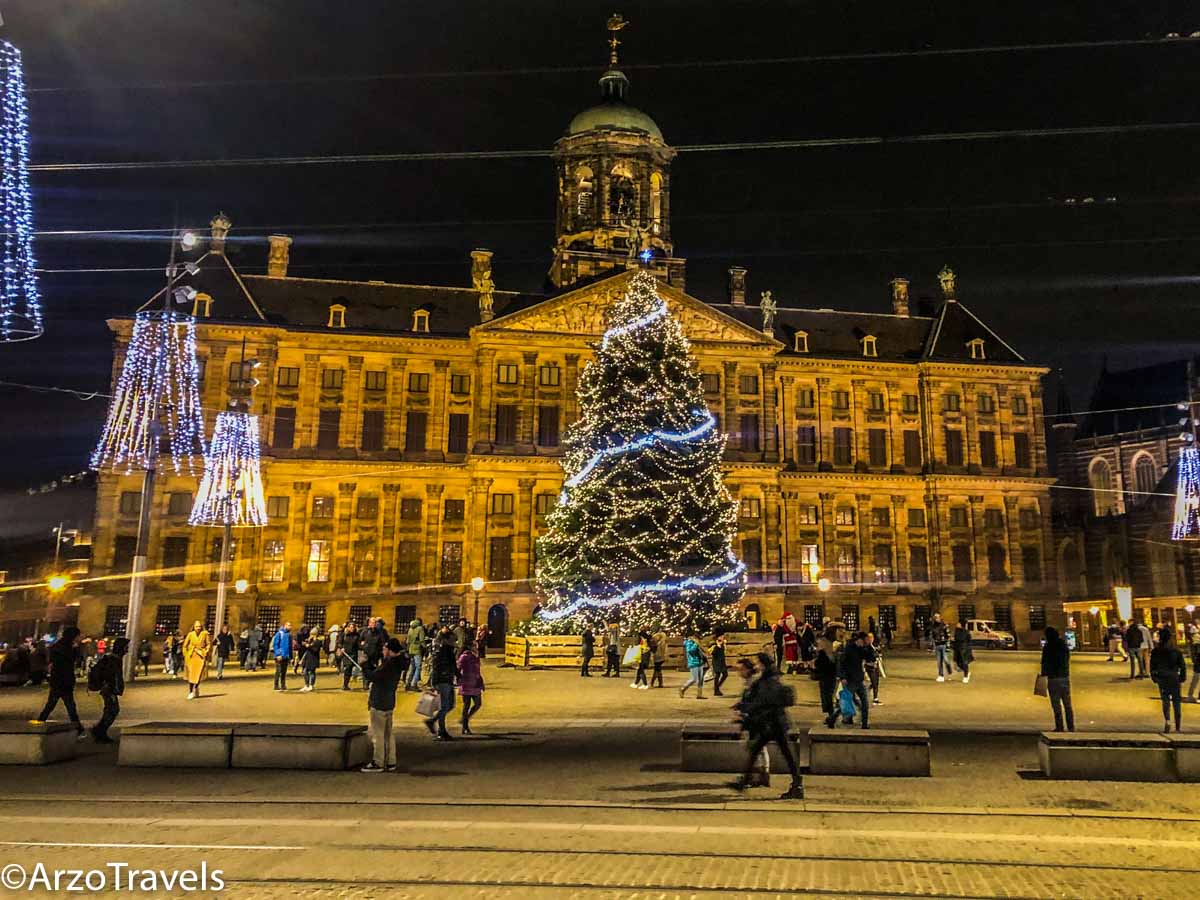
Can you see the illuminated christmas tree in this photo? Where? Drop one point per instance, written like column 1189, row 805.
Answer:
column 644, row 524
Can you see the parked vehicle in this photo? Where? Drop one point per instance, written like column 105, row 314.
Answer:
column 987, row 633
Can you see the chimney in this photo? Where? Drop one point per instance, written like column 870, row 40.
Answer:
column 737, row 285
column 277, row 256
column 220, row 228
column 900, row 296
column 481, row 280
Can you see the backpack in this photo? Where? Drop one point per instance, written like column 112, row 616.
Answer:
column 95, row 676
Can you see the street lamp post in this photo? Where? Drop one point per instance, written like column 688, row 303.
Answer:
column 477, row 585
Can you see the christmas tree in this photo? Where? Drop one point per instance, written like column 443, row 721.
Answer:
column 643, row 528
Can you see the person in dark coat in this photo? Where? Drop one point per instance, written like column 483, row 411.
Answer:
column 1133, row 642
column 963, row 656
column 351, row 641
column 777, row 641
column 111, row 685
column 143, row 655
column 1056, row 667
column 373, row 641
column 63, row 657
column 224, row 648
column 763, row 715
column 310, row 660
column 445, row 668
column 382, row 682
column 1169, row 671
column 587, row 649
column 852, row 673
column 716, row 658
column 825, row 669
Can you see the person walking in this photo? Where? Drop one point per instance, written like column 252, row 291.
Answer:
column 351, row 641
column 720, row 669
column 852, row 673
column 197, row 647
column 333, row 640
column 254, row 638
column 658, row 649
column 762, row 712
column 301, row 643
column 482, row 633
column 963, row 655
column 281, row 648
column 885, row 633
column 643, row 660
column 1056, row 669
column 587, row 649
column 1169, row 671
column 460, row 635
column 1133, row 643
column 939, row 636
column 441, row 678
column 695, row 664
column 1113, row 635
column 381, row 706
column 826, row 671
column 873, row 661
column 777, row 642
column 224, row 648
column 143, row 655
column 1147, row 644
column 612, row 650
column 169, row 656
column 416, row 653
column 1194, row 653
column 371, row 649
column 106, row 679
column 310, row 661
column 61, row 678
column 470, row 684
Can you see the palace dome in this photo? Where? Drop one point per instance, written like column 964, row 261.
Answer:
column 614, row 113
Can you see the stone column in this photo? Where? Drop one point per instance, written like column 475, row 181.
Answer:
column 770, row 425
column 1012, row 530
column 772, row 513
column 387, row 536
column 343, row 535
column 350, row 429
column 215, row 396
column 571, row 390
column 394, row 417
column 523, row 552
column 432, row 542
column 866, row 549
column 485, row 373
column 298, row 538
column 824, row 426
column 475, row 551
column 900, row 572
column 1037, row 434
column 828, row 534
column 310, row 393
column 979, row 541
column 527, row 415
column 787, row 420
column 941, row 559
column 439, row 398
column 729, row 417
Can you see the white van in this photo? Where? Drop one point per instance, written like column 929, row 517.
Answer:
column 986, row 633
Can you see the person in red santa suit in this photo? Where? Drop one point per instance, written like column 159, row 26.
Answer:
column 791, row 643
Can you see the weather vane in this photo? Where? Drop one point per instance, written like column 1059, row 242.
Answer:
column 615, row 23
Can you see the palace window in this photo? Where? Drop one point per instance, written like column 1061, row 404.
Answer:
column 314, row 617
column 877, row 446
column 331, row 379
column 367, row 508
column 1020, row 406
column 875, row 401
column 801, row 344
column 809, row 515
column 747, row 384
column 1031, row 562
column 806, row 445
column 130, row 503
column 847, row 565
column 460, row 384
column 500, row 559
column 749, row 431
column 549, row 375
column 806, row 398
column 322, row 508
column 414, row 432
column 547, row 435
column 329, row 424
column 918, row 563
column 285, row 428
column 954, row 447
column 319, row 555
column 840, row 399
column 420, row 320
column 376, row 380
column 506, row 423
column 868, row 346
column 278, row 506
column 410, row 508
column 372, row 430
column 1021, row 455
column 881, row 517
column 997, row 563
column 337, row 316
column 359, row 613
column 750, row 508
column 272, row 561
column 418, row 382
column 987, row 449
column 502, row 504
column 912, row 449
column 951, row 402
column 268, row 619
column 408, row 562
column 993, row 518
column 976, row 348
column 287, row 376
column 544, row 504
column 202, row 306
column 179, row 503
column 457, row 436
column 452, row 561
column 174, row 558
column 115, row 619
column 810, row 564
column 958, row 517
column 961, row 558
column 916, row 517
column 883, row 563
column 710, row 382
column 362, row 569
column 454, row 510
column 843, row 446
column 986, row 404
column 1030, row 518
column 910, row 404
column 506, row 373
column 1145, row 477
column 844, row 515
column 402, row 618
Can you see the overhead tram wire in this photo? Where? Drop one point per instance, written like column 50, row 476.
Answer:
column 737, row 146
column 646, row 67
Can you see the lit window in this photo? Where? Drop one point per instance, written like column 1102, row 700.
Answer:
column 801, row 345
column 420, row 320
column 548, row 376
column 318, row 561
column 751, row 508
column 337, row 316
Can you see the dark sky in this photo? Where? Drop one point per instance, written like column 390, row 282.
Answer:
column 1065, row 284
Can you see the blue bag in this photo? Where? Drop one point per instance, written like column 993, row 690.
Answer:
column 846, row 702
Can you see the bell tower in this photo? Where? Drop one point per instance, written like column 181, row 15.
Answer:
column 614, row 187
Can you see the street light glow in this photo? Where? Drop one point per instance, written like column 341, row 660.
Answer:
column 477, row 583
column 57, row 583
column 824, row 584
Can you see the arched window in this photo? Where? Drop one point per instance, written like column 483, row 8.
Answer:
column 1145, row 477
column 622, row 194
column 584, row 191
column 1100, row 478
column 656, row 186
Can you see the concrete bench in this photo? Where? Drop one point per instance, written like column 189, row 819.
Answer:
column 1106, row 756
column 191, row 745
column 1187, row 755
column 265, row 746
column 722, row 748
column 863, row 751
column 25, row 744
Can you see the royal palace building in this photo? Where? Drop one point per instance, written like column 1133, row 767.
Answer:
column 887, row 464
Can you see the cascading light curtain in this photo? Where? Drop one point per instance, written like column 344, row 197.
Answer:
column 20, row 302
column 159, row 380
column 231, row 492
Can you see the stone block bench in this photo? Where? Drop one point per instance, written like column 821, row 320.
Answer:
column 266, row 746
column 1187, row 755
column 863, row 751
column 25, row 744
column 722, row 748
column 1107, row 756
column 192, row 745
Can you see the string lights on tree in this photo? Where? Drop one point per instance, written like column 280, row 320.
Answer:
column 644, row 526
column 20, row 302
column 157, row 392
column 1187, row 487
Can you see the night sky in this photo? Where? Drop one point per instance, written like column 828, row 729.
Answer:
column 1066, row 284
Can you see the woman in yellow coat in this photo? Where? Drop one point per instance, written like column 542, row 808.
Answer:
column 196, row 648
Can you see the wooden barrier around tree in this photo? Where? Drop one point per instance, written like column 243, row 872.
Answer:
column 562, row 651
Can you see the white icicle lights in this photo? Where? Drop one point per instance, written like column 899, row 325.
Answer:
column 231, row 491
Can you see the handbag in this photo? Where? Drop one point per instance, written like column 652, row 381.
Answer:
column 846, row 702
column 1041, row 686
column 429, row 704
column 632, row 655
